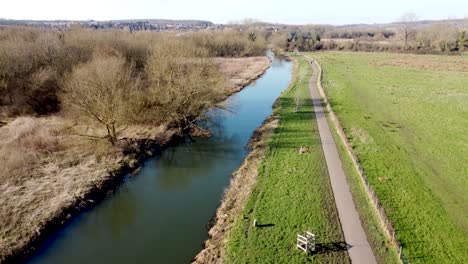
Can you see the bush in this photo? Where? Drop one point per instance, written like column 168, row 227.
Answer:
column 229, row 43
column 27, row 72
column 183, row 82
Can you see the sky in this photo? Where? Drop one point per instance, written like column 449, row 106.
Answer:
column 220, row 11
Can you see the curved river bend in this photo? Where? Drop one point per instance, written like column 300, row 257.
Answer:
column 160, row 215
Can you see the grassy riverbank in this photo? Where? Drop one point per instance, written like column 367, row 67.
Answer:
column 292, row 193
column 405, row 116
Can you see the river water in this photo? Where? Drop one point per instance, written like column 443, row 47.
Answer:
column 160, row 214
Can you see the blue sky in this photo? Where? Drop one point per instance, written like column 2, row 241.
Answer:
column 219, row 11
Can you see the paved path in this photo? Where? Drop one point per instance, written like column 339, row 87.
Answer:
column 360, row 251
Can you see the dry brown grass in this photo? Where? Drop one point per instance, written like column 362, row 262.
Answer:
column 47, row 167
column 242, row 71
column 22, row 142
column 43, row 171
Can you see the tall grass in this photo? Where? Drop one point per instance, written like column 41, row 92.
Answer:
column 22, row 141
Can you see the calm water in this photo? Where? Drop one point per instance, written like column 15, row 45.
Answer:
column 160, row 215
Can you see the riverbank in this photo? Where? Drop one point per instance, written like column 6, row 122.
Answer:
column 67, row 173
column 242, row 71
column 292, row 193
column 238, row 191
column 236, row 195
column 284, row 185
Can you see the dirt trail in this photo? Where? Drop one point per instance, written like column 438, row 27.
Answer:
column 360, row 251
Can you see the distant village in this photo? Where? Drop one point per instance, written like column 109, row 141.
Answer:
column 131, row 25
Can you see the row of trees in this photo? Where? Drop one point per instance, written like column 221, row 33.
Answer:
column 116, row 78
column 406, row 35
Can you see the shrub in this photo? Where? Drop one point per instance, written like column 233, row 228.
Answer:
column 183, row 82
column 229, row 43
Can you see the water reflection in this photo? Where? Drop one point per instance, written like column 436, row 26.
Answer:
column 196, row 158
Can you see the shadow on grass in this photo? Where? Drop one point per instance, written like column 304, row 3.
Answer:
column 264, row 225
column 324, row 248
column 418, row 256
column 300, row 130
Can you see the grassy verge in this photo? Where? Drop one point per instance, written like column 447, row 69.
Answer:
column 380, row 243
column 405, row 116
column 293, row 192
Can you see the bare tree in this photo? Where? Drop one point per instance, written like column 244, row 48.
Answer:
column 407, row 24
column 182, row 84
column 101, row 90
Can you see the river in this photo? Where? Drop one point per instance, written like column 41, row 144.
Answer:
column 160, row 214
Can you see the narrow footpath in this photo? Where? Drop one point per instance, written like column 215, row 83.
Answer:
column 360, row 251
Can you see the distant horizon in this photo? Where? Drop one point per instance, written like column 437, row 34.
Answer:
column 293, row 12
column 240, row 21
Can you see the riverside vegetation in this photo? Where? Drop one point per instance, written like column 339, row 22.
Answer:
column 408, row 35
column 292, row 192
column 406, row 120
column 78, row 105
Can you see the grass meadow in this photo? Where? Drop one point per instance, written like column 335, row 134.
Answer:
column 406, row 117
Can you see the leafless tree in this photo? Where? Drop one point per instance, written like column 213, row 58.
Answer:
column 407, row 23
column 183, row 82
column 101, row 90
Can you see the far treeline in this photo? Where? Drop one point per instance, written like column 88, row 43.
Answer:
column 407, row 35
column 116, row 78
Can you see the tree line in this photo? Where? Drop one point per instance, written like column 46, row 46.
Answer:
column 406, row 35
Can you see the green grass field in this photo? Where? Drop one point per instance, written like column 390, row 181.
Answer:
column 293, row 192
column 407, row 119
